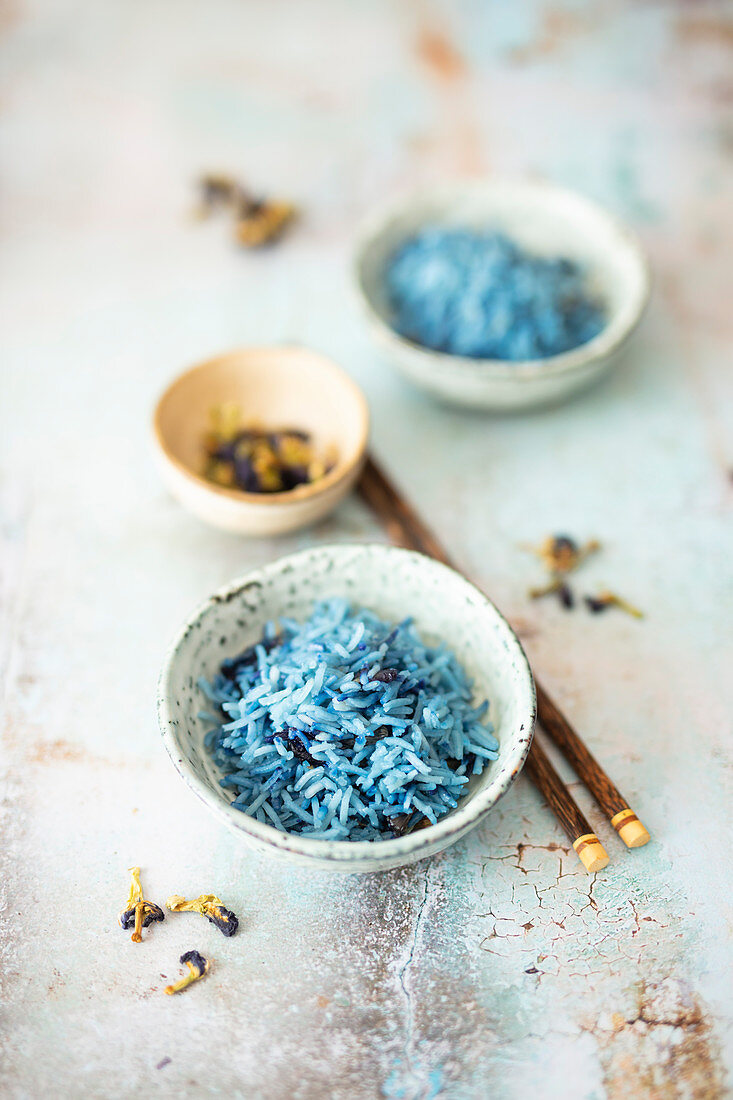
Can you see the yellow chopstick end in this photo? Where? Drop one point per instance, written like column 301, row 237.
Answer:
column 633, row 834
column 630, row 829
column 591, row 852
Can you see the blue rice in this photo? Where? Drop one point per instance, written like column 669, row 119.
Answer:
column 480, row 294
column 345, row 727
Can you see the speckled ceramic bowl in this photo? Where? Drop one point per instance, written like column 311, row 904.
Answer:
column 545, row 219
column 393, row 583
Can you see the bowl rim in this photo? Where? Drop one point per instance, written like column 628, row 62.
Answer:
column 366, row 852
column 342, row 469
column 609, row 340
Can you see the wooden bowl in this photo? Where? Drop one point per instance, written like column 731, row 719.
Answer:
column 276, row 387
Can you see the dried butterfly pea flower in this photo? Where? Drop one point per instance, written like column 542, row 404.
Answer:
column 605, row 600
column 299, row 749
column 379, row 733
column 263, row 221
column 402, row 824
column 138, row 913
column 258, row 461
column 562, row 554
column 566, row 597
column 218, row 190
column 210, row 906
column 564, row 593
column 386, row 675
column 197, row 967
column 225, row 421
column 258, row 221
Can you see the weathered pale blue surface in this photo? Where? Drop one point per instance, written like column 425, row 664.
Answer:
column 499, row 969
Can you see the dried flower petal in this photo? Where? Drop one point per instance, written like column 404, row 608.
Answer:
column 299, row 749
column 564, row 592
column 561, row 554
column 197, row 967
column 138, row 913
column 262, row 222
column 545, row 590
column 605, row 600
column 402, row 824
column 386, row 675
column 258, row 221
column 219, row 190
column 210, row 906
column 255, row 460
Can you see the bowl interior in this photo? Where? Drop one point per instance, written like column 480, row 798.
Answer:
column 393, row 583
column 545, row 219
column 276, row 387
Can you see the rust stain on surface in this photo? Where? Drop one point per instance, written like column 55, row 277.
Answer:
column 705, row 28
column 665, row 1051
column 51, row 752
column 456, row 138
column 10, row 14
column 439, row 55
column 557, row 27
column 64, row 752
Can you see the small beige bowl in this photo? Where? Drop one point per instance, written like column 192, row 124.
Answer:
column 545, row 219
column 276, row 387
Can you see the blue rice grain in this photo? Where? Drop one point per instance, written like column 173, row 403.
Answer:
column 480, row 294
column 379, row 713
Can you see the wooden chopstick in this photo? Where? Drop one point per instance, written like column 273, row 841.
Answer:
column 587, row 846
column 405, row 528
column 587, row 768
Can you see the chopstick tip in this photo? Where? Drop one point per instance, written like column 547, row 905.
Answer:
column 591, row 852
column 630, row 829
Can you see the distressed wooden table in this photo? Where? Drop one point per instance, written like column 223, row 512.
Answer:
column 499, row 968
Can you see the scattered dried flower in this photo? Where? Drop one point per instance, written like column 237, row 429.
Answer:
column 605, row 600
column 257, row 221
column 138, row 913
column 197, row 967
column 263, row 222
column 562, row 554
column 566, row 597
column 210, row 906
column 218, row 190
column 561, row 588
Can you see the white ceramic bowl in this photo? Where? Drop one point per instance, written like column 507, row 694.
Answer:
column 393, row 583
column 546, row 219
column 275, row 387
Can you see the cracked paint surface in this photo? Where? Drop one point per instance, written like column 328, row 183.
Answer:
column 498, row 968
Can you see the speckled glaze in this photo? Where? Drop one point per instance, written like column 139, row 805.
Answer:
column 544, row 218
column 394, row 583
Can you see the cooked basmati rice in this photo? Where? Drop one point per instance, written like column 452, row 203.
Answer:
column 345, row 727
